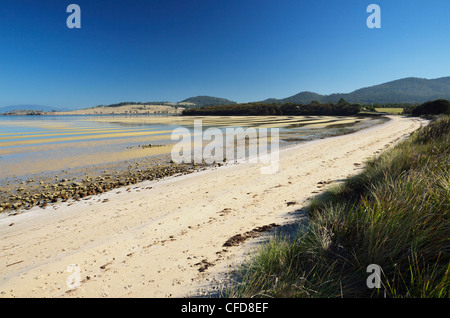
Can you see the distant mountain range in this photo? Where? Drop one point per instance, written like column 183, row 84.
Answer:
column 407, row 90
column 410, row 90
column 7, row 109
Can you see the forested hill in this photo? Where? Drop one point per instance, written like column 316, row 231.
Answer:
column 407, row 90
column 200, row 101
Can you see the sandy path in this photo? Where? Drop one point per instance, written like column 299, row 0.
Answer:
column 165, row 238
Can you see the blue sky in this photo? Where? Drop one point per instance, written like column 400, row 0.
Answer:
column 243, row 50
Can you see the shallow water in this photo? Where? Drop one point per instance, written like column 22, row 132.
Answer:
column 36, row 145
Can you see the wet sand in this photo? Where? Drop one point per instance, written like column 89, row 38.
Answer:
column 58, row 143
column 89, row 155
column 168, row 238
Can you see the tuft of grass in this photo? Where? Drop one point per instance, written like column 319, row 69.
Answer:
column 394, row 214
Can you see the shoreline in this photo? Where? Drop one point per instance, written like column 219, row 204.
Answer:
column 166, row 238
column 45, row 188
column 190, row 171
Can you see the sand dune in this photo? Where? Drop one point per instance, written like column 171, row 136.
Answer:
column 167, row 238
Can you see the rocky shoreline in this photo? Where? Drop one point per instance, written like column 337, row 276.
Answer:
column 41, row 193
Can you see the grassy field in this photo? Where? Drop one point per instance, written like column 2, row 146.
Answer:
column 394, row 214
column 392, row 111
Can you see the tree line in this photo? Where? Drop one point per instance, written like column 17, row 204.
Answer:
column 342, row 108
column 436, row 107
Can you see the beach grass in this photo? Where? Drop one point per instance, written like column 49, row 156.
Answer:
column 394, row 214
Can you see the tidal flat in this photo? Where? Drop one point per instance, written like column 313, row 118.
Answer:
column 46, row 159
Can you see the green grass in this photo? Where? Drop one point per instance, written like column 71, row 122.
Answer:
column 393, row 111
column 394, row 214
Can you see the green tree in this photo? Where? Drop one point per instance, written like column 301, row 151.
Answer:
column 439, row 106
column 342, row 102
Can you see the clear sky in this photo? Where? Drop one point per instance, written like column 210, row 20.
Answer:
column 243, row 50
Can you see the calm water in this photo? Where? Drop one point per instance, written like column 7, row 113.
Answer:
column 32, row 145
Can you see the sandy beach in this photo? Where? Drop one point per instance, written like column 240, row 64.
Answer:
column 167, row 238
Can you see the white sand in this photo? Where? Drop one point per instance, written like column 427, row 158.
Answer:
column 152, row 242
